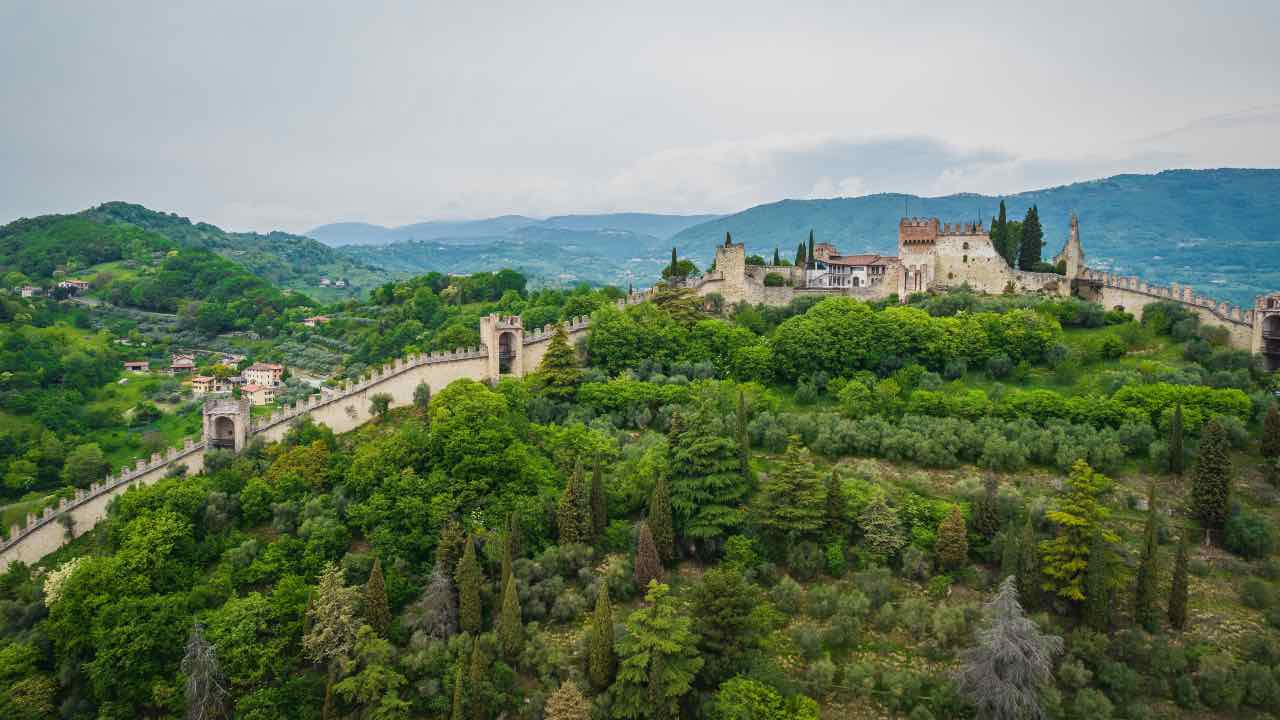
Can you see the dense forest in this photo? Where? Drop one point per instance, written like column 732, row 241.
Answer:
column 964, row 506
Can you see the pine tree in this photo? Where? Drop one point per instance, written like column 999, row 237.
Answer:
column 1178, row 589
column 469, row 578
column 206, row 693
column 601, row 660
column 1006, row 673
column 436, row 612
column 986, row 511
column 599, row 508
column 1211, row 477
column 573, row 514
column 1032, row 240
column 707, row 488
column 881, row 528
column 377, row 611
column 744, row 438
column 658, row 660
column 1271, row 433
column 1079, row 516
column 790, row 505
column 1098, row 580
column 837, row 507
column 331, row 637
column 777, row 258
column 953, row 540
column 558, row 374
column 659, row 521
column 647, row 566
column 1145, row 612
column 1177, row 454
column 567, row 703
column 510, row 624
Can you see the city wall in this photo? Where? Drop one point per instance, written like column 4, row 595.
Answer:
column 1132, row 294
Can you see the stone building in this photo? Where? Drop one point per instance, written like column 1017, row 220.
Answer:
column 266, row 374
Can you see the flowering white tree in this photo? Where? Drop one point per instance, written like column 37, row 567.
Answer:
column 54, row 581
column 1005, row 673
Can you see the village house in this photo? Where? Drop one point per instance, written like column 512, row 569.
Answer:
column 259, row 394
column 830, row 269
column 27, row 291
column 137, row 366
column 182, row 363
column 339, row 283
column 204, row 384
column 268, row 374
column 315, row 320
column 74, row 286
column 325, row 282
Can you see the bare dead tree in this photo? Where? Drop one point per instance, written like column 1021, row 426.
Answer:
column 206, row 685
column 1005, row 673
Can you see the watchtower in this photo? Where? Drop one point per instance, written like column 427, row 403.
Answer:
column 226, row 423
column 1266, row 329
column 503, row 336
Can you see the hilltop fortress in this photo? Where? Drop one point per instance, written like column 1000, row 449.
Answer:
column 933, row 256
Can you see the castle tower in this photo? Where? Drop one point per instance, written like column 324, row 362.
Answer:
column 1266, row 329
column 226, row 423
column 503, row 337
column 731, row 264
column 1073, row 251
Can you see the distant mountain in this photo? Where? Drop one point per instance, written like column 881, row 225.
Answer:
column 358, row 233
column 1217, row 230
column 289, row 261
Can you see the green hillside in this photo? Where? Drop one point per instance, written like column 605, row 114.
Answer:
column 289, row 261
column 1213, row 229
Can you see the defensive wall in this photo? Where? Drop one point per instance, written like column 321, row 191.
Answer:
column 507, row 351
column 1131, row 294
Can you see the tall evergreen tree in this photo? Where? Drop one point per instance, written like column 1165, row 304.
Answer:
column 800, row 257
column 881, row 528
column 809, row 254
column 458, row 710
column 1145, row 612
column 469, row 578
column 1098, row 582
column 1271, row 433
column 986, row 510
column 777, row 258
column 558, row 374
column 333, row 622
column 510, row 623
column 744, row 438
column 837, row 510
column 449, row 547
column 999, row 235
column 647, row 566
column 599, row 508
column 422, row 398
column 601, row 660
column 707, row 488
column 953, row 540
column 659, row 521
column 790, row 505
column 1178, row 589
column 728, row 239
column 573, row 514
column 658, row 660
column 1079, row 516
column 1177, row 453
column 476, row 682
column 675, row 263
column 1006, row 674
column 436, row 612
column 509, row 536
column 1032, row 240
column 206, row 694
column 1028, row 565
column 567, row 703
column 1211, row 477
column 377, row 611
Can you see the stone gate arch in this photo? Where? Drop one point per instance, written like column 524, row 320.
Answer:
column 503, row 338
column 226, row 423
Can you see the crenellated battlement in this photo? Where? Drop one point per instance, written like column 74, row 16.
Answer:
column 1174, row 292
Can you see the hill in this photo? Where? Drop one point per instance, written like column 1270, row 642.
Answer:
column 1213, row 229
column 359, row 233
column 289, row 261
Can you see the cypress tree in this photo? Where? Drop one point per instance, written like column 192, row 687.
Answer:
column 728, row 240
column 986, row 511
column 809, row 254
column 1032, row 240
column 675, row 263
column 599, row 509
column 648, row 566
column 998, row 235
column 1145, row 612
column 837, row 507
column 329, row 711
column 479, row 665
column 777, row 259
column 573, row 515
column 375, row 600
column 449, row 547
column 508, row 548
column 510, row 624
column 1177, row 453
column 1178, row 590
column 468, row 579
column 800, row 256
column 659, row 521
column 1271, row 433
column 1097, row 584
column 602, row 661
column 1211, row 477
column 1028, row 565
column 744, row 439
column 458, row 711
column 953, row 540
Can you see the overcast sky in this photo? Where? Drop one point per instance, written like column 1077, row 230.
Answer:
column 287, row 115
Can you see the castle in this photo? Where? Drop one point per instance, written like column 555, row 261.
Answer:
column 933, row 255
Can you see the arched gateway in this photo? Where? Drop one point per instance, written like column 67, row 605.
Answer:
column 226, row 423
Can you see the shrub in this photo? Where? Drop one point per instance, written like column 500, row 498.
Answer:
column 1249, row 535
column 774, row 279
column 808, row 640
column 1257, row 594
column 876, row 583
column 999, row 366
column 837, row 564
column 805, row 559
column 787, row 595
column 568, row 606
column 1220, row 682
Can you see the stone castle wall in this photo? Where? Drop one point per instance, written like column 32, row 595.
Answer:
column 1132, row 294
